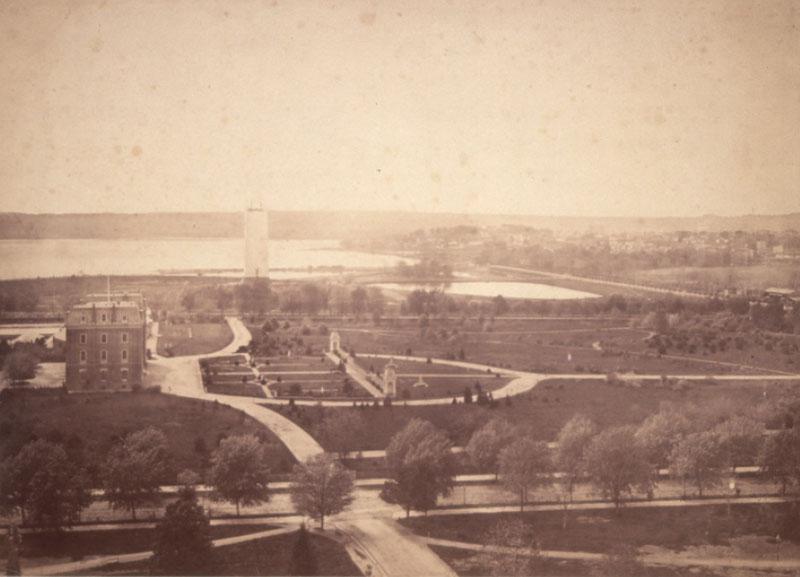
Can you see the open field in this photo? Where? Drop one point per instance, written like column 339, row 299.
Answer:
column 265, row 557
column 473, row 564
column 376, row 365
column 545, row 409
column 192, row 338
column 436, row 387
column 758, row 276
column 93, row 422
column 748, row 528
column 561, row 348
column 55, row 547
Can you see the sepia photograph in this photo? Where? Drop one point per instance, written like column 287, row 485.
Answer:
column 384, row 288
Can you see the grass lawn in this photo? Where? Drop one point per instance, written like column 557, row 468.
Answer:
column 192, row 338
column 443, row 386
column 376, row 364
column 76, row 545
column 268, row 556
column 528, row 350
column 545, row 409
column 472, row 564
column 94, row 421
column 673, row 528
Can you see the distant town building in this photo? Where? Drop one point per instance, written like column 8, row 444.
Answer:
column 106, row 339
column 256, row 242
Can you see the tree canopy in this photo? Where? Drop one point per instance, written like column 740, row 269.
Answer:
column 321, row 487
column 44, row 485
column 341, row 431
column 616, row 464
column 183, row 539
column 698, row 457
column 486, row 443
column 524, row 464
column 239, row 471
column 135, row 469
column 421, row 466
column 570, row 455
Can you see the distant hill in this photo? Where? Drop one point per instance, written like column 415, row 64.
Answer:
column 340, row 225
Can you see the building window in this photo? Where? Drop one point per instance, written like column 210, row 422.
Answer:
column 82, row 338
column 103, row 338
column 83, row 318
column 103, row 317
column 124, row 318
column 103, row 375
column 124, row 355
column 124, row 374
column 83, row 356
column 124, row 337
column 104, row 356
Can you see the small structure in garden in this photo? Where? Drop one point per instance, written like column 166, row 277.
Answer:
column 335, row 342
column 390, row 379
column 420, row 383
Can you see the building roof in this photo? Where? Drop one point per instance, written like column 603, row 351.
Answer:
column 780, row 291
column 107, row 305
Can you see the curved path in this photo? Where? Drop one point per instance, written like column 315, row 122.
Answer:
column 82, row 566
column 388, row 548
column 522, row 381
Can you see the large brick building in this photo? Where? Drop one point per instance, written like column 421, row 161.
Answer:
column 106, row 339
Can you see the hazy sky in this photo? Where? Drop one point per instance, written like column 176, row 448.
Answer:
column 605, row 107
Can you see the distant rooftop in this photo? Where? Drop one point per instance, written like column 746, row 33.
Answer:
column 107, row 304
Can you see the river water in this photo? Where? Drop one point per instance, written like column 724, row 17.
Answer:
column 65, row 257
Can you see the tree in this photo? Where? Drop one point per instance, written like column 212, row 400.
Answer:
column 740, row 440
column 699, row 457
column 224, row 299
column 254, row 296
column 183, row 539
column 304, row 559
column 44, row 485
column 500, row 305
column 20, row 366
column 780, row 458
column 342, row 431
column 239, row 471
column 513, row 549
column 572, row 441
column 616, row 464
column 659, row 433
column 421, row 466
column 135, row 469
column 376, row 303
column 358, row 299
column 189, row 300
column 486, row 443
column 322, row 487
column 12, row 557
column 524, row 465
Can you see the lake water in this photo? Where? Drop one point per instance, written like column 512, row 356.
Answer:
column 65, row 257
column 515, row 290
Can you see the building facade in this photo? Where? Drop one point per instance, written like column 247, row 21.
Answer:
column 105, row 347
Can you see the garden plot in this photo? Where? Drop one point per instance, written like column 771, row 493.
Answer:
column 230, row 376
